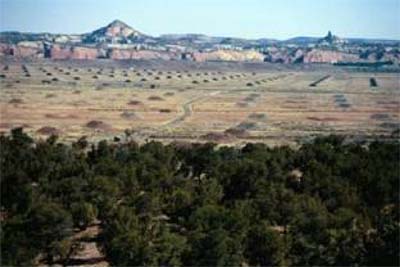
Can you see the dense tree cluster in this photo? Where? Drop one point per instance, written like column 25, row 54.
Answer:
column 327, row 203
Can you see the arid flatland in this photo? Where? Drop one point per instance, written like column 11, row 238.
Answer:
column 210, row 102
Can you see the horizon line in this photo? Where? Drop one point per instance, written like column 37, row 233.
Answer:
column 204, row 34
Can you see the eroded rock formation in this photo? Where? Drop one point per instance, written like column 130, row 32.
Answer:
column 228, row 55
column 328, row 56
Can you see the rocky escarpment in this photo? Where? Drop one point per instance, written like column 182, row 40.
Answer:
column 72, row 52
column 122, row 54
column 228, row 55
column 118, row 41
column 23, row 49
column 59, row 51
column 326, row 56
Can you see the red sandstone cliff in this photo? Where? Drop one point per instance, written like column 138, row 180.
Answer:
column 73, row 52
column 23, row 49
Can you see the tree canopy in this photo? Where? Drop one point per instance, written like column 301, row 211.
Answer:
column 328, row 203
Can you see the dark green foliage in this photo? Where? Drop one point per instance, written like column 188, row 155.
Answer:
column 328, row 203
column 264, row 246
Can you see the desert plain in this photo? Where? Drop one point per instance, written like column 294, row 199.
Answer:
column 229, row 103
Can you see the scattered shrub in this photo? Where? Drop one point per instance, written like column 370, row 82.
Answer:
column 155, row 98
column 15, row 101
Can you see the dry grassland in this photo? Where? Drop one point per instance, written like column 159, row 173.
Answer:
column 271, row 106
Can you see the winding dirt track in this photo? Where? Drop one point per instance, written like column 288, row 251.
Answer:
column 187, row 110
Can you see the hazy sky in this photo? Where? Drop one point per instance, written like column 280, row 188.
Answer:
column 240, row 18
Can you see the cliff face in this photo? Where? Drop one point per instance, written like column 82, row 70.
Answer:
column 5, row 49
column 327, row 56
column 228, row 55
column 84, row 53
column 120, row 54
column 60, row 52
column 23, row 49
column 72, row 52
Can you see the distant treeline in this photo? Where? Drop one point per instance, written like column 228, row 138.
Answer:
column 327, row 203
column 365, row 64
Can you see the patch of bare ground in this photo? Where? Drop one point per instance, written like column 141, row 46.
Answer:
column 98, row 125
column 88, row 253
column 48, row 130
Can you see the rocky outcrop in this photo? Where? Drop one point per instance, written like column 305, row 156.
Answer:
column 23, row 49
column 5, row 49
column 330, row 40
column 328, row 56
column 80, row 52
column 228, row 55
column 58, row 51
column 120, row 54
column 118, row 28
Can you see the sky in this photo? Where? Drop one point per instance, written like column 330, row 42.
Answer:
column 279, row 19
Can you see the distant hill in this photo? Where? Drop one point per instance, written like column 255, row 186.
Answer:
column 115, row 32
